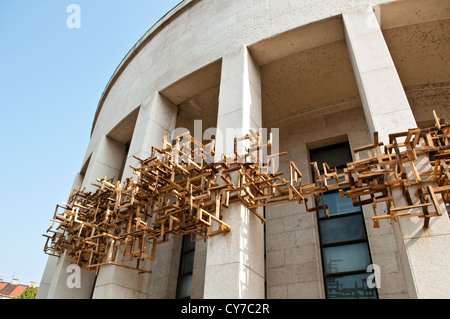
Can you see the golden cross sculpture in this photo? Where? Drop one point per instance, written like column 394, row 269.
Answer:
column 178, row 192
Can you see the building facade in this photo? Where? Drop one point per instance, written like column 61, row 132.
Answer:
column 327, row 74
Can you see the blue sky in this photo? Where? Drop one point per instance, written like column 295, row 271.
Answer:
column 51, row 79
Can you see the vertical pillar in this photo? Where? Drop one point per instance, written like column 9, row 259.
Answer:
column 106, row 160
column 424, row 257
column 235, row 260
column 382, row 95
column 239, row 99
column 156, row 118
column 52, row 261
column 47, row 277
column 164, row 277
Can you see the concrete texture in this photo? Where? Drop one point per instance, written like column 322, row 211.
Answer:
column 323, row 72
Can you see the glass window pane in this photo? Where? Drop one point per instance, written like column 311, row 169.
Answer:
column 187, row 244
column 184, row 287
column 349, row 287
column 187, row 263
column 333, row 181
column 345, row 258
column 338, row 205
column 342, row 229
column 334, row 156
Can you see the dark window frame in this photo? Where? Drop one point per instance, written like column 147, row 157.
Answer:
column 358, row 212
column 181, row 274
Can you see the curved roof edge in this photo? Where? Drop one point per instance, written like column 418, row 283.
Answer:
column 158, row 26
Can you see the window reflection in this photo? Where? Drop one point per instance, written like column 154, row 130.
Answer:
column 184, row 287
column 338, row 205
column 343, row 238
column 186, row 268
column 345, row 258
column 331, row 229
column 349, row 287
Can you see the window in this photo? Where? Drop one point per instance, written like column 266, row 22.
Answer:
column 343, row 237
column 186, row 268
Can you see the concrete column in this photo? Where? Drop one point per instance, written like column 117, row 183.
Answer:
column 239, row 99
column 235, row 260
column 52, row 261
column 164, row 277
column 47, row 277
column 59, row 287
column 424, row 251
column 156, row 118
column 198, row 275
column 382, row 95
column 106, row 160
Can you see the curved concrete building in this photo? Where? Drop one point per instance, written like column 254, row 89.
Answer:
column 326, row 74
